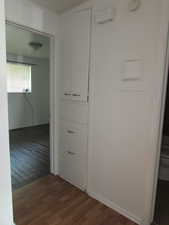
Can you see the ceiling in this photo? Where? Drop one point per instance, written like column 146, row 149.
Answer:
column 17, row 42
column 58, row 5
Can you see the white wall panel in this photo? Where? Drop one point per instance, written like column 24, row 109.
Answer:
column 124, row 113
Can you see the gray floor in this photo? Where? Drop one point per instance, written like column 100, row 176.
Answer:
column 30, row 154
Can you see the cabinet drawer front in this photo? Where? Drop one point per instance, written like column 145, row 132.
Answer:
column 73, row 138
column 71, row 111
column 72, row 170
column 73, row 152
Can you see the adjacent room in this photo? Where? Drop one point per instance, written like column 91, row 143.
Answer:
column 28, row 104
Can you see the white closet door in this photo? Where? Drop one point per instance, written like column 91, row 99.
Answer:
column 75, row 45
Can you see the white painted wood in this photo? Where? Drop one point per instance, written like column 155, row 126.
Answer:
column 73, row 150
column 75, row 42
column 6, row 212
column 73, row 112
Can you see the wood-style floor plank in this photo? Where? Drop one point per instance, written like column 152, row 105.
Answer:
column 53, row 201
column 30, row 154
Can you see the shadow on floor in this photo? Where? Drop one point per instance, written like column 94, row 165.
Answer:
column 162, row 204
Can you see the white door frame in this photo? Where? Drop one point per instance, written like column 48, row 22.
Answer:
column 160, row 135
column 51, row 89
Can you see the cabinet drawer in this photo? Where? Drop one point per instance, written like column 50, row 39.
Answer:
column 73, row 137
column 71, row 111
column 73, row 152
column 72, row 169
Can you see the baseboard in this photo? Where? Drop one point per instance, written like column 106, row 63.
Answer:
column 75, row 185
column 115, row 207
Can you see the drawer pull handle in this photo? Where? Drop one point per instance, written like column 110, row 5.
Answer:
column 75, row 95
column 67, row 94
column 71, row 153
column 71, row 132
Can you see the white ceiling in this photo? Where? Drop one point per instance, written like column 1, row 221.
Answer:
column 58, row 5
column 17, row 42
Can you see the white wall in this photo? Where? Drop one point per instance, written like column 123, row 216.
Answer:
column 6, row 217
column 124, row 115
column 20, row 112
column 31, row 15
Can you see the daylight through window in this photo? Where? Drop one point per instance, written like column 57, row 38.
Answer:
column 18, row 78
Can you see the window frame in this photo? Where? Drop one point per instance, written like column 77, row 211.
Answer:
column 30, row 78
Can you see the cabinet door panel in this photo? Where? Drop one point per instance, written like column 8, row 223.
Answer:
column 71, row 170
column 75, row 46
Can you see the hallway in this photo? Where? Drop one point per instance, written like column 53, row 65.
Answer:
column 53, row 201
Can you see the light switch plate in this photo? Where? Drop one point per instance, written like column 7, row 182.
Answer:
column 133, row 70
column 106, row 15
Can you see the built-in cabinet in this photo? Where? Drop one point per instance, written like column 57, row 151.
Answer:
column 75, row 57
column 75, row 44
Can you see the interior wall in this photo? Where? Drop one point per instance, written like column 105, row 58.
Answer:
column 32, row 15
column 125, row 113
column 6, row 215
column 20, row 112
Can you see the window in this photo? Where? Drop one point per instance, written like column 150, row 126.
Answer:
column 18, row 78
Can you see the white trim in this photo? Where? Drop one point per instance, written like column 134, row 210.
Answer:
column 51, row 88
column 83, row 6
column 73, row 184
column 52, row 106
column 114, row 206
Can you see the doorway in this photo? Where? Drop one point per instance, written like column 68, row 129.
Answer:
column 161, row 216
column 28, row 86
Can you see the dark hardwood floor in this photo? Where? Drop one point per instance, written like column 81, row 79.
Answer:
column 53, row 201
column 30, row 157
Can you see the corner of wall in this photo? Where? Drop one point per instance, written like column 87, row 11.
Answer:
column 115, row 207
